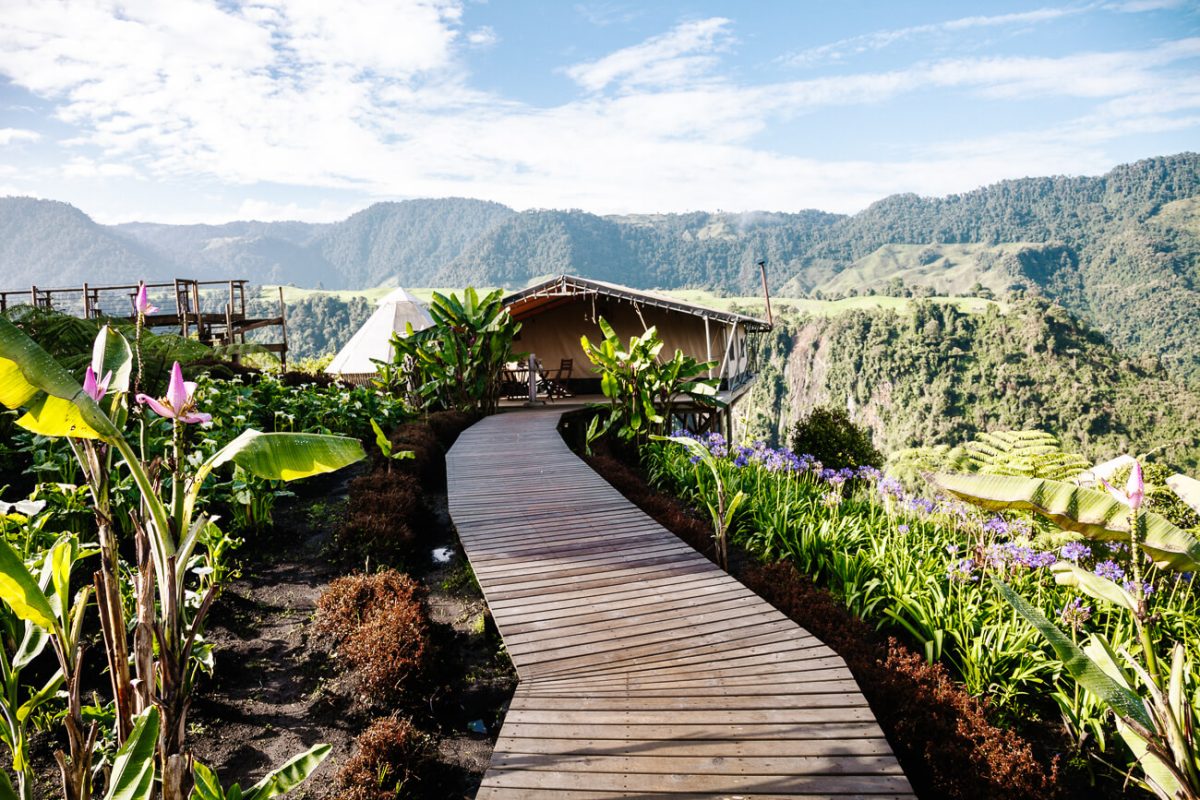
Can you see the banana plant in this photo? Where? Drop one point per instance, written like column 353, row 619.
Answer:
column 167, row 525
column 385, row 447
column 30, row 641
column 456, row 363
column 723, row 512
column 278, row 782
column 1093, row 513
column 641, row 388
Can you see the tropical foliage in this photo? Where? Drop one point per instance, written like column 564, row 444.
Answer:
column 454, row 364
column 923, row 568
column 143, row 473
column 642, row 388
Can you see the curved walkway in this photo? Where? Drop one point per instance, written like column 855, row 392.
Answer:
column 645, row 670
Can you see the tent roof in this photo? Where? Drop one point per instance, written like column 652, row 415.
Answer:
column 528, row 302
column 374, row 339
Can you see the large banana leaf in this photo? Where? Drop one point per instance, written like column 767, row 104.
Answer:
column 20, row 591
column 1187, row 489
column 1066, row 574
column 1092, row 513
column 288, row 456
column 56, row 403
column 290, row 775
column 132, row 775
column 111, row 353
column 1120, row 698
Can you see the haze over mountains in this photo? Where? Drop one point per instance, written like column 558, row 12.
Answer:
column 1122, row 249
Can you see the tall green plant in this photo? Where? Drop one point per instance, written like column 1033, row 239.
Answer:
column 169, row 524
column 723, row 511
column 642, row 388
column 456, row 363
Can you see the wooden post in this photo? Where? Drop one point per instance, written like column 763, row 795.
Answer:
column 200, row 332
column 33, row 296
column 87, row 302
column 181, row 307
column 282, row 326
column 708, row 347
column 762, row 266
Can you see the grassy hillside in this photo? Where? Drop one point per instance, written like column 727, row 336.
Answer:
column 945, row 268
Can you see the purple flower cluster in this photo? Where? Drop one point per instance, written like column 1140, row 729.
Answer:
column 1075, row 613
column 837, row 477
column 1075, row 551
column 1146, row 589
column 1012, row 555
column 1110, row 569
column 997, row 525
column 963, row 570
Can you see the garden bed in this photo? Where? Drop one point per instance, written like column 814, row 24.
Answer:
column 280, row 685
column 947, row 740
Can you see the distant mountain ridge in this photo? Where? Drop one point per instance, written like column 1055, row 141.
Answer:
column 1122, row 250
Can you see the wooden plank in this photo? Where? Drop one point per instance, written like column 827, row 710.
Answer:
column 645, row 670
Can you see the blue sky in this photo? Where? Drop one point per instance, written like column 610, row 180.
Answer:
column 210, row 110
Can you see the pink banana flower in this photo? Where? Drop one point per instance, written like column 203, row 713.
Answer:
column 96, row 389
column 180, row 402
column 1135, row 488
column 142, row 303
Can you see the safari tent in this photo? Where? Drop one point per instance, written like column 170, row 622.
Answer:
column 373, row 340
column 555, row 313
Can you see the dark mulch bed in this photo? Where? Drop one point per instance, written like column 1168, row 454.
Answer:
column 944, row 738
column 278, row 687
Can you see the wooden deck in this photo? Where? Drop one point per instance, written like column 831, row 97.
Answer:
column 645, row 670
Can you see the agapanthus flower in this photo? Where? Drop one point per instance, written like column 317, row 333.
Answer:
column 1074, row 551
column 1109, row 569
column 142, row 302
column 180, row 401
column 1146, row 589
column 963, row 570
column 95, row 389
column 867, row 472
column 1075, row 613
column 996, row 525
column 902, row 528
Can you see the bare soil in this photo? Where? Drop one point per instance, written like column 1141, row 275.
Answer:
column 276, row 692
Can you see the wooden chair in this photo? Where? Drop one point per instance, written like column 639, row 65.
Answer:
column 557, row 386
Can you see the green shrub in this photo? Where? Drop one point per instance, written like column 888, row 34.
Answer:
column 828, row 435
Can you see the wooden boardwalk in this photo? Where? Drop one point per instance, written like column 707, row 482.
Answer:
column 645, row 671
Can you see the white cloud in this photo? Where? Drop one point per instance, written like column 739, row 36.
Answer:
column 855, row 45
column 683, row 53
column 376, row 102
column 14, row 135
column 483, row 37
column 266, row 211
column 81, row 167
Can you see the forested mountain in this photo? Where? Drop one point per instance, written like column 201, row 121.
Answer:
column 47, row 243
column 932, row 374
column 1121, row 250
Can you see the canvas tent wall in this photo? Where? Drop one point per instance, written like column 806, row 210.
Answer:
column 555, row 313
column 354, row 363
